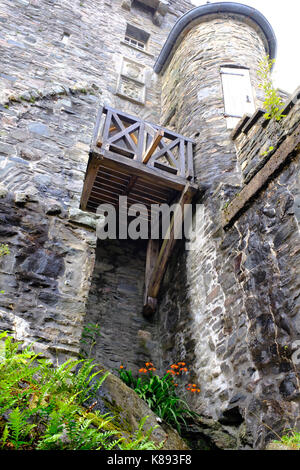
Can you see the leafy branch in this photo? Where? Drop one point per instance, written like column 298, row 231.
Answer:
column 273, row 103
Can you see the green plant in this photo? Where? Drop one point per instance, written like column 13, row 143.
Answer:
column 89, row 337
column 160, row 392
column 264, row 154
column 273, row 104
column 141, row 440
column 42, row 407
column 291, row 439
column 19, row 428
column 4, row 250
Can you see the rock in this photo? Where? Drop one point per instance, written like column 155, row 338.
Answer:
column 207, row 434
column 3, row 191
column 116, row 398
column 83, row 218
column 21, row 198
column 39, row 128
column 278, row 446
column 7, row 149
column 54, row 209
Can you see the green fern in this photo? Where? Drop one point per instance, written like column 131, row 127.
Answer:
column 19, row 428
column 41, row 407
column 84, row 380
column 141, row 440
column 5, row 435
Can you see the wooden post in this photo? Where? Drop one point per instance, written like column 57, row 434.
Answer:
column 91, row 174
column 151, row 258
column 168, row 244
column 158, row 270
column 97, row 126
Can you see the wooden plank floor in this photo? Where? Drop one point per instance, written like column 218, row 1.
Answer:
column 110, row 176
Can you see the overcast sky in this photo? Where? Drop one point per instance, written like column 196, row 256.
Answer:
column 284, row 17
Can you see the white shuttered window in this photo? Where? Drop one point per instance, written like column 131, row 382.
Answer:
column 238, row 95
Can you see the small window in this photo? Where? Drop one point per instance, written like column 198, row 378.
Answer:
column 238, row 95
column 136, row 37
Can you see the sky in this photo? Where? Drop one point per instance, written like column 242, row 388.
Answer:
column 284, row 19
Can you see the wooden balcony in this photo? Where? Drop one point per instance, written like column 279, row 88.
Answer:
column 150, row 165
column 131, row 157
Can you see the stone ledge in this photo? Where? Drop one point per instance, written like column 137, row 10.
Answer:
column 247, row 122
column 31, row 95
column 238, row 129
column 137, row 49
column 253, row 120
column 292, row 101
column 289, row 145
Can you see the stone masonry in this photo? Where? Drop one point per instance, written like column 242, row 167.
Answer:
column 237, row 318
column 229, row 307
column 59, row 62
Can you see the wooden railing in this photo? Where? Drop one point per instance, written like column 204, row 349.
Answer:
column 152, row 145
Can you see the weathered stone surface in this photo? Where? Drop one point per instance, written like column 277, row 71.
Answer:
column 278, row 446
column 116, row 398
column 230, row 306
column 115, row 303
column 45, row 277
column 234, row 293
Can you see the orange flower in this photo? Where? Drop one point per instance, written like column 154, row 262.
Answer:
column 143, row 370
column 121, row 367
column 175, row 385
column 174, row 366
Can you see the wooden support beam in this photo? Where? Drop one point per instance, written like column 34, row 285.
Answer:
column 151, row 258
column 158, row 271
column 153, row 146
column 91, row 174
column 114, row 128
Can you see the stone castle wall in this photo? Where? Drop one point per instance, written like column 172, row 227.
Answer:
column 229, row 306
column 59, row 62
column 79, row 44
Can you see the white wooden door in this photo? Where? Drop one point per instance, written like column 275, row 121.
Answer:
column 238, row 94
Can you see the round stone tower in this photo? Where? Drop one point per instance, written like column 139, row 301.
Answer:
column 209, row 69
